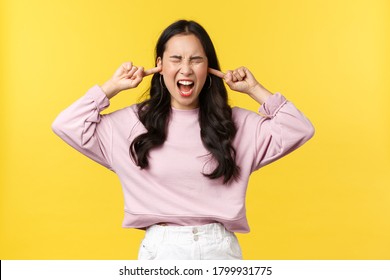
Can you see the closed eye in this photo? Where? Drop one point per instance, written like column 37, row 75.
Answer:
column 193, row 59
column 175, row 58
column 197, row 59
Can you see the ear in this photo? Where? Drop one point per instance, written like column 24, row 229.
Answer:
column 159, row 64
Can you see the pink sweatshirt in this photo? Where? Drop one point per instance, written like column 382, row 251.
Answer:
column 173, row 190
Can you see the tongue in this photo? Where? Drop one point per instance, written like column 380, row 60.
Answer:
column 185, row 88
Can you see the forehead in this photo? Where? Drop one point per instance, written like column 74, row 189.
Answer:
column 184, row 45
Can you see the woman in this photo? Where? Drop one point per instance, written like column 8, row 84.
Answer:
column 184, row 156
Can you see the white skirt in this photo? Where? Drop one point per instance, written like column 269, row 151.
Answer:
column 205, row 242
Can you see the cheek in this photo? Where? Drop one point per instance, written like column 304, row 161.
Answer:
column 169, row 73
column 168, row 70
column 201, row 72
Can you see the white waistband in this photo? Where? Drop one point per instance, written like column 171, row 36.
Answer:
column 213, row 232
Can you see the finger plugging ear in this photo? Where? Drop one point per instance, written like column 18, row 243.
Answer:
column 217, row 73
column 154, row 70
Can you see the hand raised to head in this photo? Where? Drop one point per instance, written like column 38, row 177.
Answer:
column 127, row 76
column 217, row 73
column 130, row 76
column 151, row 71
column 240, row 79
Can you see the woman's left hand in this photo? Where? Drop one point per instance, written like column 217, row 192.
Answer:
column 242, row 80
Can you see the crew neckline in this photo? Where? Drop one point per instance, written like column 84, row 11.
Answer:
column 194, row 111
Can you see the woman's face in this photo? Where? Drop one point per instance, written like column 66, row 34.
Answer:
column 184, row 68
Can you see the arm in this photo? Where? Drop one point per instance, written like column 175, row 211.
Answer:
column 83, row 127
column 281, row 129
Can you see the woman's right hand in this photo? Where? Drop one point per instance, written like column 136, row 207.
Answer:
column 127, row 76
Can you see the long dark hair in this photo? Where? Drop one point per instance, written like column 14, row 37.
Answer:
column 215, row 115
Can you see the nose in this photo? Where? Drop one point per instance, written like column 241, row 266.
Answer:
column 186, row 68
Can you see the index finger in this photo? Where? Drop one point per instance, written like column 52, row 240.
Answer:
column 152, row 71
column 217, row 73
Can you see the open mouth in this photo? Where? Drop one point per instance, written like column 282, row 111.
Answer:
column 185, row 87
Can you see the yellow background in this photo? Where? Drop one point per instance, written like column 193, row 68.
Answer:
column 328, row 200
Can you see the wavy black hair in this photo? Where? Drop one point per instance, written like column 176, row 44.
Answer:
column 215, row 115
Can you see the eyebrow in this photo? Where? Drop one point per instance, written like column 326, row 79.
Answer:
column 175, row 56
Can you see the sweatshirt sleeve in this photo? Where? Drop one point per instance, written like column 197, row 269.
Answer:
column 83, row 127
column 281, row 129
